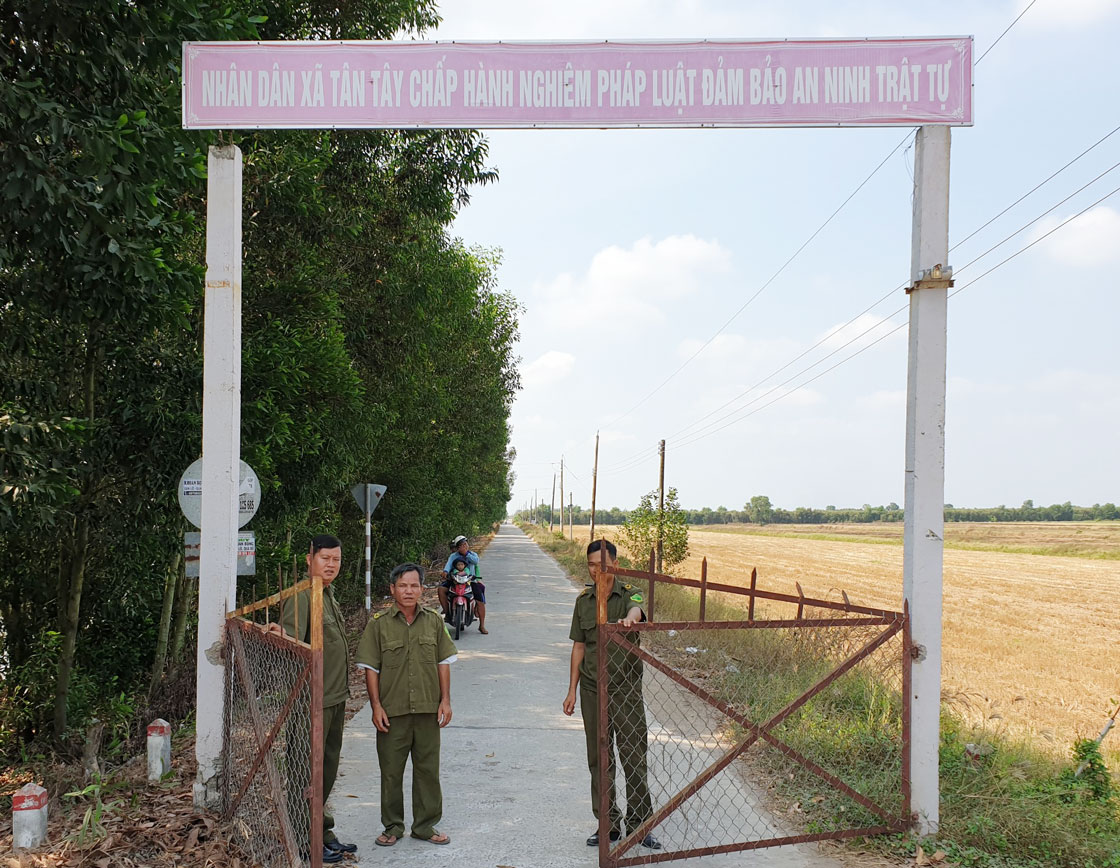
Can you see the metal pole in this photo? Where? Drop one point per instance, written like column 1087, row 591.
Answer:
column 594, row 481
column 552, row 504
column 571, row 518
column 923, row 530
column 221, row 454
column 661, row 506
column 369, row 534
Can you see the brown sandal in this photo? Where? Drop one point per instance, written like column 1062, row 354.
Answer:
column 437, row 838
column 384, row 840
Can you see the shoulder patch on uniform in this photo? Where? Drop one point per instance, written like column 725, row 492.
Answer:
column 635, row 598
column 378, row 615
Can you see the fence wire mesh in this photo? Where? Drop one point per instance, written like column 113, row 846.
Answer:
column 755, row 735
column 267, row 752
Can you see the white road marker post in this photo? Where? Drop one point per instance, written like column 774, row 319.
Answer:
column 29, row 817
column 923, row 545
column 369, row 556
column 159, row 749
column 221, row 453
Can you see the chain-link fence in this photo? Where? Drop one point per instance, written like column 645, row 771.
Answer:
column 740, row 734
column 268, row 753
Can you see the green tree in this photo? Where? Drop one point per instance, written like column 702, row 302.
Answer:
column 375, row 347
column 640, row 530
column 759, row 509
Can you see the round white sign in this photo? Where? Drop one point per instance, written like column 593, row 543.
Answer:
column 190, row 494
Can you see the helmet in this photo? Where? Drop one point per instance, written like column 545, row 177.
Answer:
column 455, row 542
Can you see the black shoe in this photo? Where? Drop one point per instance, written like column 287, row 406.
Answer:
column 338, row 847
column 331, row 856
column 651, row 842
column 593, row 841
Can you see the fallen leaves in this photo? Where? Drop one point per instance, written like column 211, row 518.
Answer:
column 921, row 859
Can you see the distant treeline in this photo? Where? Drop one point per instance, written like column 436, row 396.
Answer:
column 759, row 511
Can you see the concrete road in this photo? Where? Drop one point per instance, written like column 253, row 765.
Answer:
column 516, row 789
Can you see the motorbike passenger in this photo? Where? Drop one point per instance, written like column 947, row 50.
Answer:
column 461, row 550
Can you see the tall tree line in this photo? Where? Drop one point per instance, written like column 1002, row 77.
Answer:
column 376, row 348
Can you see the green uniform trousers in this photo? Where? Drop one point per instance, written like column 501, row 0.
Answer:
column 627, row 732
column 334, row 719
column 415, row 735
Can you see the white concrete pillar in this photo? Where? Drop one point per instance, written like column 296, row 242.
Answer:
column 29, row 817
column 925, row 463
column 221, row 452
column 159, row 749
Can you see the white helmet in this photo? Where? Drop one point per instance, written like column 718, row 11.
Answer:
column 455, row 542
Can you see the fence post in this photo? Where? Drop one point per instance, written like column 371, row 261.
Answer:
column 29, row 817
column 703, row 589
column 159, row 749
column 316, row 794
column 652, row 582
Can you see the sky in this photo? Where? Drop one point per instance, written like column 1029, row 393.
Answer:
column 629, row 250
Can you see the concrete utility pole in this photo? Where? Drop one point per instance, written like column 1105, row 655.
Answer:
column 594, row 480
column 923, row 531
column 221, row 456
column 661, row 505
column 571, row 518
column 552, row 504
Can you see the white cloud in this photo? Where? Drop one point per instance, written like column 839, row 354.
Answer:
column 632, row 285
column 861, row 332
column 1088, row 240
column 552, row 367
column 1071, row 14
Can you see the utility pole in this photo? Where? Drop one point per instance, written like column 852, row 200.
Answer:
column 571, row 519
column 534, row 506
column 661, row 506
column 552, row 504
column 594, row 479
column 923, row 531
column 561, row 494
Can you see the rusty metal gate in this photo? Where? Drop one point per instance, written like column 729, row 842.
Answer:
column 738, row 733
column 272, row 750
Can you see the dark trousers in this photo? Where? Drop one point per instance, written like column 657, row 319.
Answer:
column 626, row 732
column 415, row 735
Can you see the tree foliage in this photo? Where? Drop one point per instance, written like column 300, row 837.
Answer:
column 646, row 524
column 376, row 348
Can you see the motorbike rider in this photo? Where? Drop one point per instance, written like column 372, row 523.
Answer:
column 461, row 550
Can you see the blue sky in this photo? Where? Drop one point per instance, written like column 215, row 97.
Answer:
column 630, row 249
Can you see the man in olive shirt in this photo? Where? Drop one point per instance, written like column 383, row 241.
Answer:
column 407, row 657
column 325, row 559
column 626, row 713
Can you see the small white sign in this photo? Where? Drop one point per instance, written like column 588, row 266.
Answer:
column 246, row 553
column 190, row 494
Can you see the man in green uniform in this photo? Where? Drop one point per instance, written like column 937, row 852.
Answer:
column 325, row 559
column 626, row 713
column 407, row 657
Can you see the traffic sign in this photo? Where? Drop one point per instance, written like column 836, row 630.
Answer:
column 368, row 495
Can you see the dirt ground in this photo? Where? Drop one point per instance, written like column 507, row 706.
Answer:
column 1029, row 640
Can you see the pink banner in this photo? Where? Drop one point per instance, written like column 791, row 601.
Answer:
column 494, row 85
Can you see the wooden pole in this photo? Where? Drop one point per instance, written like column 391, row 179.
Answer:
column 561, row 494
column 661, row 507
column 594, row 480
column 571, row 518
column 552, row 504
column 316, row 794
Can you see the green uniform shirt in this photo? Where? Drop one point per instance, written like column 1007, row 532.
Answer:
column 405, row 656
column 336, row 654
column 585, row 629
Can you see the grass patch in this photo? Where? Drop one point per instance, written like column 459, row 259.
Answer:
column 1005, row 803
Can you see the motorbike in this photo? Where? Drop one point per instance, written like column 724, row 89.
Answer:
column 460, row 607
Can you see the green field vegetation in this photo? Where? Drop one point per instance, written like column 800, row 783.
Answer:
column 1005, row 804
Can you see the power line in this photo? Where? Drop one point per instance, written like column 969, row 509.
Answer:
column 958, row 290
column 769, row 281
column 885, row 297
column 1009, row 26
